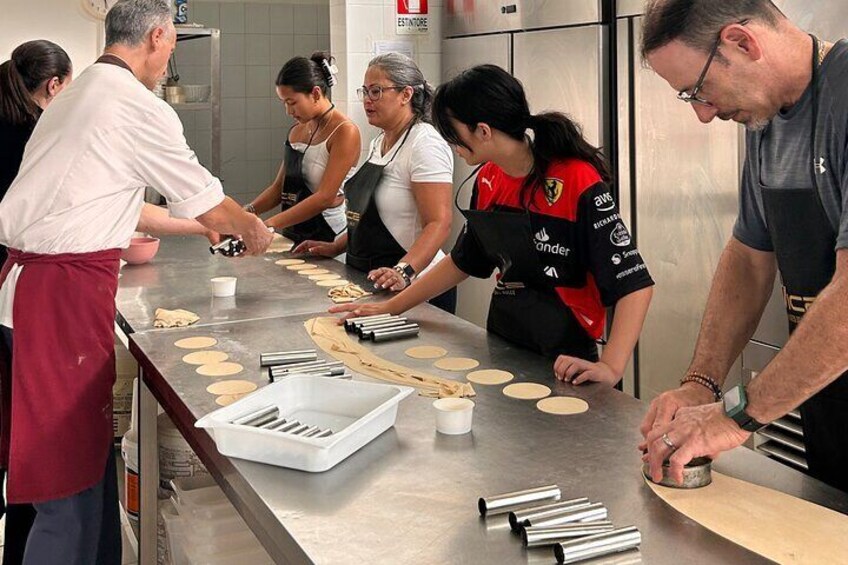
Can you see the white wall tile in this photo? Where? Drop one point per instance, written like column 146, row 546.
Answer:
column 257, row 113
column 232, row 17
column 203, row 121
column 305, row 19
column 257, row 18
column 338, row 30
column 323, row 16
column 278, row 139
column 206, row 13
column 257, row 49
column 203, row 148
column 364, row 27
column 259, row 84
column 233, row 174
column 281, row 50
column 281, row 19
column 273, row 170
column 258, row 144
column 233, row 81
column 188, row 118
column 258, row 176
column 233, row 145
column 232, row 48
column 306, row 44
column 431, row 65
column 233, row 113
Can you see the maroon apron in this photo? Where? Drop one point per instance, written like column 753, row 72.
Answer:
column 58, row 433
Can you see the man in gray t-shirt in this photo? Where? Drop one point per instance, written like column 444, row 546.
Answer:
column 743, row 60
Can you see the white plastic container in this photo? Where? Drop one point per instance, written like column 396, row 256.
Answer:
column 356, row 412
column 129, row 451
column 223, row 286
column 453, row 415
column 176, row 457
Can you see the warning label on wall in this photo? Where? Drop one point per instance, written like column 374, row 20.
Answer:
column 412, row 17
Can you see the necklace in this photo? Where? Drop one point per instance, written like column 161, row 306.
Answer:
column 319, row 125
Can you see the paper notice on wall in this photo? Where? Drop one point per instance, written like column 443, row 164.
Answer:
column 402, row 46
column 412, row 17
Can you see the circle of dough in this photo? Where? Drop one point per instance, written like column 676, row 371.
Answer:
column 456, row 363
column 426, row 352
column 332, row 282
column 301, row 267
column 227, row 399
column 287, row 262
column 562, row 405
column 220, row 369
column 205, row 357
column 231, row 387
column 307, row 272
column 196, row 342
column 489, row 377
column 526, row 391
column 324, row 277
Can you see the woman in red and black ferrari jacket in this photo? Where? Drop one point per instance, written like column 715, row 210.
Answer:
column 543, row 215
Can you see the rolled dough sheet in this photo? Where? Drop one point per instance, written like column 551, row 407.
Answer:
column 220, row 369
column 307, row 272
column 279, row 244
column 332, row 282
column 231, row 387
column 775, row 525
column 287, row 262
column 426, row 352
column 456, row 364
column 490, row 377
column 526, row 391
column 301, row 267
column 227, row 399
column 324, row 277
column 205, row 357
column 195, row 342
column 331, row 337
column 562, row 405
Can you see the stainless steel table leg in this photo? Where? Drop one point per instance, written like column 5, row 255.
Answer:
column 149, row 473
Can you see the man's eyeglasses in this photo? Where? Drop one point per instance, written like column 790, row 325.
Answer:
column 691, row 97
column 374, row 92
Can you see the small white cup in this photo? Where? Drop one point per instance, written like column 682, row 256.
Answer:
column 453, row 415
column 224, row 286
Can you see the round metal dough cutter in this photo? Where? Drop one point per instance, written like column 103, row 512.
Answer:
column 696, row 474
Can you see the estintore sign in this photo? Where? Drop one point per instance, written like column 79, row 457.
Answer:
column 412, row 17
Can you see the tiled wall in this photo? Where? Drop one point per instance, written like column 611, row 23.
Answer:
column 257, row 38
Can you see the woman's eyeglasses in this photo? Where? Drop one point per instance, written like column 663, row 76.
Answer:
column 374, row 92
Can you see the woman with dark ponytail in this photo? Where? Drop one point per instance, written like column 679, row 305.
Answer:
column 320, row 154
column 543, row 215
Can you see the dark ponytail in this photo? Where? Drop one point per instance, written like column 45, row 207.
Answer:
column 490, row 95
column 32, row 64
column 302, row 74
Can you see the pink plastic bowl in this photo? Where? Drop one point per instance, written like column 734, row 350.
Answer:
column 141, row 250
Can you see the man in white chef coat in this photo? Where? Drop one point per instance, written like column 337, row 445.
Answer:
column 73, row 207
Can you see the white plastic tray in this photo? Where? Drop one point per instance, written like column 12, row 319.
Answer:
column 357, row 412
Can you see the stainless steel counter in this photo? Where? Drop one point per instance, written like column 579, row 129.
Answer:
column 410, row 495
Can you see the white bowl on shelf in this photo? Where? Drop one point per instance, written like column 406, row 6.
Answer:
column 197, row 93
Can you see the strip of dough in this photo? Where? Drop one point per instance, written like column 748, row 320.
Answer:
column 777, row 526
column 331, row 337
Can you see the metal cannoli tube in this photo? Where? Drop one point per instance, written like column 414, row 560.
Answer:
column 327, row 372
column 247, row 418
column 351, row 322
column 591, row 513
column 503, row 503
column 263, row 420
column 598, row 545
column 537, row 537
column 395, row 333
column 289, row 426
column 325, row 433
column 380, row 324
column 299, row 430
column 287, row 357
column 275, row 423
column 310, row 431
column 523, row 517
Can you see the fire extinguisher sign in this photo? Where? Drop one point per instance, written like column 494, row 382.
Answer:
column 412, row 17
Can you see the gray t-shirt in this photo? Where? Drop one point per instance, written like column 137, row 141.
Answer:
column 780, row 156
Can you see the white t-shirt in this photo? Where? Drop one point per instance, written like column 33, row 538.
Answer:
column 81, row 184
column 424, row 158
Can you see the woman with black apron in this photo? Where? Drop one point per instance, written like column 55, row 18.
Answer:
column 543, row 215
column 398, row 202
column 321, row 150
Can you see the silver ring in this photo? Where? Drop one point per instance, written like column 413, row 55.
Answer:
column 667, row 440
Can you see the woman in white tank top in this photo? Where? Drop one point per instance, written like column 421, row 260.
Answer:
column 321, row 152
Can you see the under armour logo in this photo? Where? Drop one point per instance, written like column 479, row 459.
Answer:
column 818, row 165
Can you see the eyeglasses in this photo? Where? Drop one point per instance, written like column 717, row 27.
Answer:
column 374, row 92
column 692, row 97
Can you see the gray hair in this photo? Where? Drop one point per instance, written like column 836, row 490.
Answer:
column 403, row 71
column 697, row 23
column 130, row 21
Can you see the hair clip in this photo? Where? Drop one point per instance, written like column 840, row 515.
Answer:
column 330, row 71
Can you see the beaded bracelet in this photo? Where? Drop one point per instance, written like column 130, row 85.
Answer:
column 703, row 380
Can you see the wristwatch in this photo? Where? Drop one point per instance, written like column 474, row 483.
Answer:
column 735, row 402
column 405, row 270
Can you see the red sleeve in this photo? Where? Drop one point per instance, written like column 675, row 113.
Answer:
column 484, row 187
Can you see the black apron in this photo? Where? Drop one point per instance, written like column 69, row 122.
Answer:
column 804, row 243
column 295, row 190
column 370, row 244
column 525, row 309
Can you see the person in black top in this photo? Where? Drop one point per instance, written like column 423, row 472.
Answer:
column 29, row 81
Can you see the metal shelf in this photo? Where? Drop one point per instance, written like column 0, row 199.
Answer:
column 783, row 438
column 784, row 455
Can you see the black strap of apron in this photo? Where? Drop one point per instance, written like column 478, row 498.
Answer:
column 402, row 143
column 462, row 184
column 317, row 129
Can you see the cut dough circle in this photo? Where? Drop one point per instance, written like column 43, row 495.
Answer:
column 426, row 352
column 562, row 405
column 490, row 377
column 307, row 272
column 205, row 357
column 227, row 399
column 456, row 364
column 332, row 282
column 324, row 277
column 195, row 342
column 287, row 262
column 301, row 267
column 220, row 369
column 231, row 387
column 526, row 391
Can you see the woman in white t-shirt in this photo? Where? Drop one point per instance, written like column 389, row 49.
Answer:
column 399, row 201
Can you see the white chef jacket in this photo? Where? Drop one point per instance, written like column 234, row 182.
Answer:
column 81, row 184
